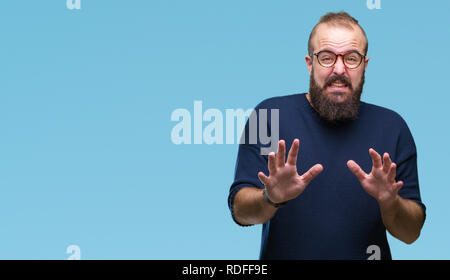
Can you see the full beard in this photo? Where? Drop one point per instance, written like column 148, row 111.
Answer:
column 331, row 111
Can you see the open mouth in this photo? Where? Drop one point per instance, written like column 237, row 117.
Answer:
column 338, row 86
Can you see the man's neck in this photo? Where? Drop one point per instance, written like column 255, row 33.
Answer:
column 309, row 100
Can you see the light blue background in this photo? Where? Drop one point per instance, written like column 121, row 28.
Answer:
column 86, row 97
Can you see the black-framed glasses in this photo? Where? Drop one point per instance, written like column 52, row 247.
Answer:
column 351, row 59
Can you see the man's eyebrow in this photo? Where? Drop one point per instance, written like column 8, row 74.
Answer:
column 350, row 50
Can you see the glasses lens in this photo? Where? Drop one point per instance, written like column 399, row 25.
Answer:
column 352, row 60
column 326, row 59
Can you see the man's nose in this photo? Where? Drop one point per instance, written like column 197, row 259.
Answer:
column 339, row 67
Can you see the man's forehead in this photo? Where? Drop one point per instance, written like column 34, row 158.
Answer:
column 339, row 37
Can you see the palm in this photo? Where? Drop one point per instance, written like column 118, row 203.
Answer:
column 380, row 183
column 284, row 183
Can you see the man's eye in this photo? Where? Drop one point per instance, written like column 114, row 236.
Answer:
column 352, row 58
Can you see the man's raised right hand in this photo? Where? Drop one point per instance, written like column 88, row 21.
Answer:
column 284, row 183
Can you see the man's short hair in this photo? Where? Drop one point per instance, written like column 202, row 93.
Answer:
column 338, row 19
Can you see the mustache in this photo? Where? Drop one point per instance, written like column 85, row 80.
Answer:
column 341, row 79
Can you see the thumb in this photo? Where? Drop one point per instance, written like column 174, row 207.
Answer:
column 356, row 170
column 309, row 175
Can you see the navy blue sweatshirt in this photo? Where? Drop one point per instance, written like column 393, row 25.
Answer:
column 334, row 218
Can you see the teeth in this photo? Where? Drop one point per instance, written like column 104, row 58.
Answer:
column 338, row 84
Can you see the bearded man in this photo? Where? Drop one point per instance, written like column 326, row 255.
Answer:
column 350, row 173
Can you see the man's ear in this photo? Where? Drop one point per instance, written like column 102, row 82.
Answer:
column 366, row 62
column 308, row 61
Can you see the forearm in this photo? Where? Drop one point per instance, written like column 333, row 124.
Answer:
column 250, row 208
column 403, row 219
